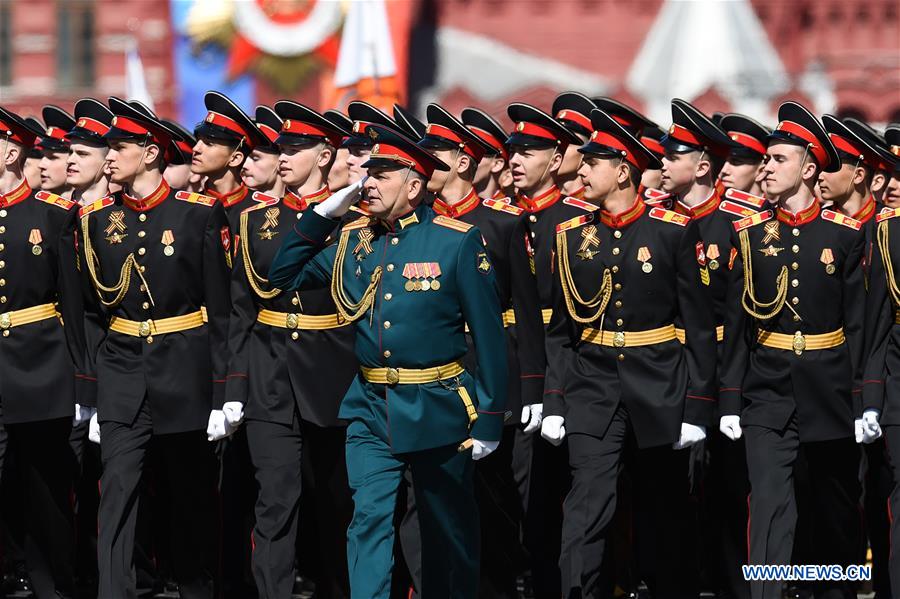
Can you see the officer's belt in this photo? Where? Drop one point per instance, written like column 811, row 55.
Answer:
column 412, row 376
column 720, row 333
column 161, row 326
column 798, row 342
column 509, row 317
column 629, row 338
column 17, row 318
column 897, row 317
column 307, row 322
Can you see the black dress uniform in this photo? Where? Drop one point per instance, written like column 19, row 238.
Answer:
column 156, row 265
column 227, row 123
column 281, row 344
column 793, row 353
column 503, row 232
column 42, row 363
column 616, row 367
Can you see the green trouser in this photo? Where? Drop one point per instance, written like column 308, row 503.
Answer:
column 448, row 514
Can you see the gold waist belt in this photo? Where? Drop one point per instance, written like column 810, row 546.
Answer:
column 161, row 326
column 798, row 342
column 17, row 318
column 897, row 317
column 629, row 338
column 720, row 333
column 509, row 317
column 412, row 376
column 307, row 322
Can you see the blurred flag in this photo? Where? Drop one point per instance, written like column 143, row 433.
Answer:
column 135, row 83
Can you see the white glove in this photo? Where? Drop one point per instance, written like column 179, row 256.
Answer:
column 82, row 414
column 730, row 426
column 337, row 205
column 871, row 430
column 482, row 449
column 94, row 429
column 859, row 430
column 234, row 412
column 218, row 427
column 532, row 416
column 690, row 435
column 553, row 429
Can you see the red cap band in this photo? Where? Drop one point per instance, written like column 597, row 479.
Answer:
column 24, row 137
column 184, row 147
column 653, row 145
column 748, row 141
column 395, row 154
column 226, row 123
column 475, row 151
column 605, row 139
column 679, row 133
column 625, row 122
column 845, row 145
column 271, row 134
column 55, row 133
column 490, row 140
column 809, row 137
column 302, row 128
column 575, row 117
column 92, row 125
column 536, row 131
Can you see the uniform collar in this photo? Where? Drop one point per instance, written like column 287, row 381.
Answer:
column 229, row 198
column 149, row 201
column 301, row 203
column 578, row 194
column 464, row 206
column 540, row 202
column 801, row 218
column 21, row 191
column 704, row 208
column 407, row 221
column 867, row 211
column 623, row 219
column 498, row 195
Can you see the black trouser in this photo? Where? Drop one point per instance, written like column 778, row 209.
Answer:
column 834, row 480
column 238, row 491
column 664, row 531
column 46, row 465
column 892, row 438
column 277, row 451
column 879, row 483
column 188, row 462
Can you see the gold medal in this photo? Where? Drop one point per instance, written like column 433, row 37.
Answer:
column 713, row 264
column 829, row 268
column 169, row 250
column 35, row 239
column 410, row 286
column 426, row 284
column 435, row 285
column 647, row 267
column 36, row 250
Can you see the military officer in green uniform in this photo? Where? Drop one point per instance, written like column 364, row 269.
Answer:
column 411, row 280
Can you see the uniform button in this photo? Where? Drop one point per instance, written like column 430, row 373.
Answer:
column 388, row 296
column 794, row 283
column 150, row 338
column 796, row 232
column 532, row 218
column 299, row 215
column 796, row 318
column 390, row 268
column 615, row 268
column 2, row 282
column 143, row 288
column 617, row 234
column 141, row 251
column 618, row 303
column 142, row 233
column 795, row 248
column 616, row 251
column 2, row 264
column 145, row 305
column 794, row 266
column 295, row 335
column 621, row 357
column 2, row 299
column 2, row 246
column 387, row 353
column 295, row 301
column 142, row 268
column 2, row 213
column 2, row 229
column 619, row 322
column 142, row 217
column 387, row 324
column 532, row 234
column 617, row 286
column 395, row 241
column 795, row 300
column 6, row 333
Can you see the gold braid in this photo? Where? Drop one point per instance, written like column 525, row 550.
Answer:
column 748, row 297
column 349, row 310
column 120, row 288
column 599, row 301
column 255, row 280
column 885, row 248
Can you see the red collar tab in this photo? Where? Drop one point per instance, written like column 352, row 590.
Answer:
column 499, row 195
column 748, row 141
column 475, row 151
column 801, row 218
column 845, row 145
column 301, row 203
column 150, row 201
column 534, row 130
column 490, row 140
column 541, row 202
column 575, row 117
column 745, row 197
column 92, row 125
column 866, row 213
column 464, row 206
column 303, row 128
column 225, row 122
column 653, row 145
column 809, row 137
column 395, row 154
column 229, row 198
column 617, row 221
column 271, row 134
column 637, row 159
column 706, row 207
column 21, row 191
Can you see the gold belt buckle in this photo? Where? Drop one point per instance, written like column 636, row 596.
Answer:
column 393, row 376
column 144, row 328
column 618, row 339
column 5, row 321
column 799, row 343
column 292, row 321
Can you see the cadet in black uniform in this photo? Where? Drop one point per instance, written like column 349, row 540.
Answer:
column 743, row 170
column 617, row 369
column 492, row 168
column 155, row 258
column 793, row 353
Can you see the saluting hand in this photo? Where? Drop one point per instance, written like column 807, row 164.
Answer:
column 338, row 203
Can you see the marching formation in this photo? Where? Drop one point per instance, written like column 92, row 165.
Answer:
column 589, row 357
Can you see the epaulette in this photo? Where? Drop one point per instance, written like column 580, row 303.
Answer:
column 356, row 224
column 887, row 213
column 669, row 216
column 452, row 223
column 55, row 200
column 263, row 201
column 98, row 205
column 195, row 198
column 501, row 206
column 841, row 219
column 574, row 222
column 746, row 198
column 736, row 209
column 652, row 193
column 753, row 219
column 580, row 204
